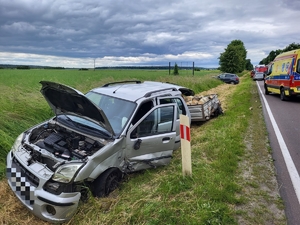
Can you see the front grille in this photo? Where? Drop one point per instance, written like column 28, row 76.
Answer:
column 23, row 183
column 25, row 173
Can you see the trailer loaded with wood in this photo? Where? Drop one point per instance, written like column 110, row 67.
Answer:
column 202, row 108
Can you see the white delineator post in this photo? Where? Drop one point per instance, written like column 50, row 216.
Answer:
column 185, row 136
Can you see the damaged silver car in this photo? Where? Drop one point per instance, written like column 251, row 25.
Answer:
column 92, row 141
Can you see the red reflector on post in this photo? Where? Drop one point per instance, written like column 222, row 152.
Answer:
column 185, row 132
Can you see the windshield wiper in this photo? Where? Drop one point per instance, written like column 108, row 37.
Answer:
column 103, row 132
column 70, row 120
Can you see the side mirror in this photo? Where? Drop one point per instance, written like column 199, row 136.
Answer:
column 137, row 144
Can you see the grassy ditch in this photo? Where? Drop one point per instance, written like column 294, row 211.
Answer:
column 233, row 179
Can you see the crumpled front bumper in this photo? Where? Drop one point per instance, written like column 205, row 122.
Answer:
column 28, row 187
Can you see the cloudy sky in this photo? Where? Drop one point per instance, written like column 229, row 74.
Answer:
column 79, row 33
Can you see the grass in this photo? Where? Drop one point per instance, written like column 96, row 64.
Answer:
column 227, row 185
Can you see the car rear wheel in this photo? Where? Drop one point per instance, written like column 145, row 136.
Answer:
column 107, row 182
column 283, row 97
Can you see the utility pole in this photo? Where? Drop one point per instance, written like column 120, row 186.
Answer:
column 94, row 64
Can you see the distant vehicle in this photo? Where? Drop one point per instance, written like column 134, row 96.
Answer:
column 261, row 68
column 229, row 78
column 258, row 76
column 284, row 75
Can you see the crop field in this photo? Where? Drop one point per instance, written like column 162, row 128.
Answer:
column 218, row 192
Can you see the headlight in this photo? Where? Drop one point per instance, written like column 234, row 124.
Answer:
column 18, row 142
column 66, row 172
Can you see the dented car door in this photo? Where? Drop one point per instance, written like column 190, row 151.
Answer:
column 151, row 141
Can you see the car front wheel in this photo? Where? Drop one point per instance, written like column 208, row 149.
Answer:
column 266, row 90
column 107, row 182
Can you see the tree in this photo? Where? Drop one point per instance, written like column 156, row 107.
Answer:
column 176, row 70
column 249, row 65
column 275, row 53
column 290, row 47
column 270, row 57
column 233, row 60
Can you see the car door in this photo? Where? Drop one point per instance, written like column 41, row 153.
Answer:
column 150, row 142
column 222, row 77
column 227, row 78
column 181, row 109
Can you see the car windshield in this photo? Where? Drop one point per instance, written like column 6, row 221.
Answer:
column 80, row 123
column 117, row 111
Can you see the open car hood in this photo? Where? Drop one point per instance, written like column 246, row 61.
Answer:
column 63, row 99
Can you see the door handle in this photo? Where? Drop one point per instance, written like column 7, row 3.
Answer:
column 166, row 139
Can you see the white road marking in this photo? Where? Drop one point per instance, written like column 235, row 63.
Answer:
column 285, row 152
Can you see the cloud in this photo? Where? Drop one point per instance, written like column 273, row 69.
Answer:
column 74, row 33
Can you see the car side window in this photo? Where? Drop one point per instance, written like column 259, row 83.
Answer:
column 157, row 122
column 298, row 66
column 142, row 110
column 178, row 101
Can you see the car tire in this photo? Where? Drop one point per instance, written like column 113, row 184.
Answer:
column 232, row 82
column 107, row 182
column 266, row 90
column 283, row 97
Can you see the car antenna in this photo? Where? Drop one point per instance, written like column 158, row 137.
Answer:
column 117, row 89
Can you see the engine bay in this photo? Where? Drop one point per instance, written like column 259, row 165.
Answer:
column 63, row 143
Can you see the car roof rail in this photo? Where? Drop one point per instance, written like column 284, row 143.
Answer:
column 123, row 82
column 148, row 94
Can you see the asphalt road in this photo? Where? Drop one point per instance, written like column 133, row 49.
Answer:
column 283, row 124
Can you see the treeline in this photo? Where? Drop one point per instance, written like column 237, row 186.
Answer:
column 54, row 68
column 26, row 67
column 3, row 66
column 151, row 67
column 275, row 53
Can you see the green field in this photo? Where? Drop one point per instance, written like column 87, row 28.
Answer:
column 213, row 195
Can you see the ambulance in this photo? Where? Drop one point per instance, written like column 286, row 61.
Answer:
column 283, row 76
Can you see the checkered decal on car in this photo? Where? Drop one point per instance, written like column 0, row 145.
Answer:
column 21, row 186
